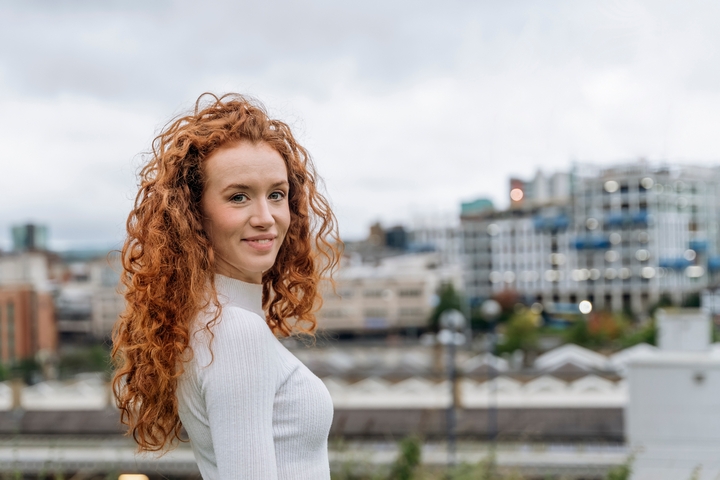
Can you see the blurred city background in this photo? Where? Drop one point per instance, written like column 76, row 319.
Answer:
column 529, row 196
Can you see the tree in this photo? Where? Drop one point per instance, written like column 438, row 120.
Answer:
column 601, row 329
column 521, row 331
column 409, row 454
column 448, row 298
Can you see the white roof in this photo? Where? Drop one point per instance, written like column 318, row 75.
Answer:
column 574, row 355
column 545, row 384
column 504, row 392
column 485, row 360
column 89, row 394
column 620, row 360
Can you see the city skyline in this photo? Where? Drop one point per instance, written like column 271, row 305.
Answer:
column 406, row 108
column 414, row 220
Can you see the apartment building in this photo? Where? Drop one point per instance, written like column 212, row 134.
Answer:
column 617, row 236
column 27, row 313
column 395, row 295
column 27, row 323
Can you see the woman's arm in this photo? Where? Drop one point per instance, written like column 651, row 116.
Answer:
column 239, row 389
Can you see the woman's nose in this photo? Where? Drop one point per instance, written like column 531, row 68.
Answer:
column 261, row 215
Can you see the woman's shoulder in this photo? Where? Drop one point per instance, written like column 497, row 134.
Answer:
column 234, row 323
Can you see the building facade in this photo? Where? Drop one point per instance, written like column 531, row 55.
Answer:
column 396, row 295
column 27, row 323
column 621, row 238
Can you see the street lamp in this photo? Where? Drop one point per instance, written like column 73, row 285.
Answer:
column 452, row 324
column 585, row 307
column 491, row 310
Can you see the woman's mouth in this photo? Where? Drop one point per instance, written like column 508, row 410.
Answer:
column 261, row 244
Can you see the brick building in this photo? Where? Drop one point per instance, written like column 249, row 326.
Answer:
column 27, row 323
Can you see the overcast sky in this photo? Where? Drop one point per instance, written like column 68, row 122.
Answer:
column 408, row 107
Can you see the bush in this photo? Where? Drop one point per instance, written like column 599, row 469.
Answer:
column 410, row 451
column 602, row 329
column 521, row 332
column 91, row 359
column 643, row 334
column 621, row 472
column 448, row 299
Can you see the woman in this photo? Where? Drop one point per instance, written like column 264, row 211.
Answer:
column 226, row 244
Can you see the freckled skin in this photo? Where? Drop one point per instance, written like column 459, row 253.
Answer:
column 245, row 208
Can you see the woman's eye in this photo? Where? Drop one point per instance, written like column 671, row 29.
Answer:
column 277, row 195
column 238, row 198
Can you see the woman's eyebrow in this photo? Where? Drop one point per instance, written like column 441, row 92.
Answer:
column 242, row 186
column 236, row 186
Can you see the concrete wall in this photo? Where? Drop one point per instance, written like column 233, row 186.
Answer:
column 546, row 424
column 673, row 414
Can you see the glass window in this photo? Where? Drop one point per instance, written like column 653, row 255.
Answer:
column 11, row 330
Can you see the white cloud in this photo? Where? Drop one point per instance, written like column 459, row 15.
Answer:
column 406, row 107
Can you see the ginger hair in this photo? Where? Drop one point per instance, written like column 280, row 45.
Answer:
column 168, row 262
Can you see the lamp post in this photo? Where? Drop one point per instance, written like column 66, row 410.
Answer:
column 452, row 324
column 491, row 310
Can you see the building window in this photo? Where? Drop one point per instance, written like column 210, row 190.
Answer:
column 373, row 293
column 410, row 293
column 332, row 313
column 375, row 313
column 11, row 330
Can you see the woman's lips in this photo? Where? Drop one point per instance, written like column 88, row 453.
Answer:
column 261, row 244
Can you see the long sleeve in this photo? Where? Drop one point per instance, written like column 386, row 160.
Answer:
column 239, row 390
column 252, row 410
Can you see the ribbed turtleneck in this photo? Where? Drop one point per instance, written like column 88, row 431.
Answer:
column 252, row 410
column 239, row 294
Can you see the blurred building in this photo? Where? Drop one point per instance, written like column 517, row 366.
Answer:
column 88, row 301
column 620, row 237
column 29, row 237
column 27, row 313
column 27, row 323
column 437, row 233
column 55, row 298
column 672, row 422
column 397, row 294
column 388, row 282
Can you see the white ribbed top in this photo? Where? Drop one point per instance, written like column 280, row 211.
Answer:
column 252, row 410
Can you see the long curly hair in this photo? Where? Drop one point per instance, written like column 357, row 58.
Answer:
column 168, row 262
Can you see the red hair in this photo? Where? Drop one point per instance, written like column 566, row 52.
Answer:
column 168, row 259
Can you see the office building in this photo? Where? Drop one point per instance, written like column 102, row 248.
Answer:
column 620, row 237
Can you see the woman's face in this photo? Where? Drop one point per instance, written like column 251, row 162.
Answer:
column 245, row 208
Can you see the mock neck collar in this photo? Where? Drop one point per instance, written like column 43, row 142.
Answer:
column 240, row 294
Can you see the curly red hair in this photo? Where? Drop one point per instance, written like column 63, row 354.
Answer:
column 168, row 259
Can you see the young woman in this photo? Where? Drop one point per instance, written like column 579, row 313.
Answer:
column 226, row 244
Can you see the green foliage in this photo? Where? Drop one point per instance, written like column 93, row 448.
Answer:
column 621, row 472
column 665, row 301
column 410, row 451
column 26, row 369
column 449, row 298
column 691, row 300
column 521, row 332
column 578, row 333
column 695, row 475
column 95, row 358
column 599, row 330
column 354, row 468
column 407, row 467
column 643, row 334
column 484, row 470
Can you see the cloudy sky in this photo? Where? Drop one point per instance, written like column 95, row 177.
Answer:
column 408, row 107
